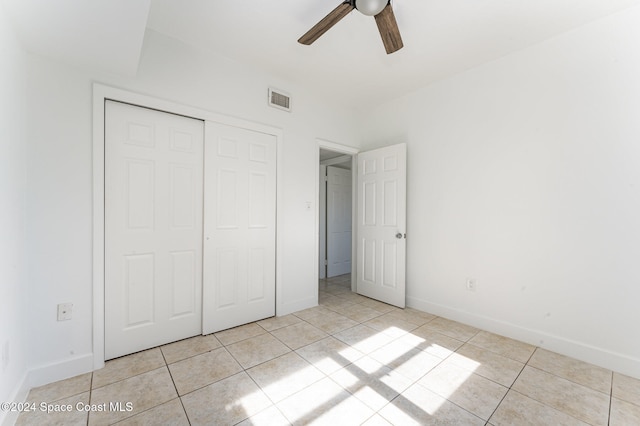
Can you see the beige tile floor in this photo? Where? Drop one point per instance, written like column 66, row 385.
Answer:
column 349, row 361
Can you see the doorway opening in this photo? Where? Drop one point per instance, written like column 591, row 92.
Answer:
column 335, row 260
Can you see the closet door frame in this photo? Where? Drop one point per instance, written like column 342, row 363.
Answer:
column 102, row 93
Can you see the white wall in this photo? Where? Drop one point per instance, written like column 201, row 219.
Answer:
column 60, row 178
column 524, row 174
column 13, row 183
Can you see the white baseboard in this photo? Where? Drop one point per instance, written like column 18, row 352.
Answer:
column 8, row 418
column 43, row 375
column 60, row 370
column 598, row 356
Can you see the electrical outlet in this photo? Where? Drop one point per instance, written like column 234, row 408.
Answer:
column 64, row 311
column 5, row 355
column 471, row 284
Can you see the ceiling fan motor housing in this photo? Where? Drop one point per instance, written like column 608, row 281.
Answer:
column 370, row 7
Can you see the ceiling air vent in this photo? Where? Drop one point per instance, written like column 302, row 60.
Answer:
column 279, row 99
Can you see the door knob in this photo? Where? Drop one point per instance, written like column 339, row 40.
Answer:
column 399, row 236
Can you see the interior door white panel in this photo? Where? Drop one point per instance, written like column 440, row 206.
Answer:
column 239, row 227
column 338, row 221
column 153, row 228
column 184, row 285
column 381, row 224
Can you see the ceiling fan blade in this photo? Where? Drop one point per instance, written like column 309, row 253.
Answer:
column 389, row 31
column 326, row 23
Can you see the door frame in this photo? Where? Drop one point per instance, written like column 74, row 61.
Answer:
column 348, row 150
column 101, row 93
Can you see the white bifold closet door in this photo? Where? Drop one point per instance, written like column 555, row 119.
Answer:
column 153, row 228
column 190, row 227
column 239, row 227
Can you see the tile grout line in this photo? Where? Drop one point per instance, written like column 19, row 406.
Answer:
column 184, row 408
column 562, row 378
column 155, row 406
column 134, row 375
column 273, row 404
column 174, row 382
column 509, row 389
column 241, row 340
column 440, row 363
column 610, row 401
column 284, row 343
column 172, row 379
column 567, row 378
column 208, row 384
column 90, row 395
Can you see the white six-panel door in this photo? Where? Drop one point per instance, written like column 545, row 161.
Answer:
column 240, row 227
column 381, row 224
column 153, row 228
column 338, row 221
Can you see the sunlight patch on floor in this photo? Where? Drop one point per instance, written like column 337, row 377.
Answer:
column 248, row 403
column 291, row 383
column 374, row 379
column 434, row 348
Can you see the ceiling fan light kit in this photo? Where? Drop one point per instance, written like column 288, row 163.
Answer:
column 380, row 9
column 371, row 7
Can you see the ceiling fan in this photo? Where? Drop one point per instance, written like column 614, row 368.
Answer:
column 381, row 9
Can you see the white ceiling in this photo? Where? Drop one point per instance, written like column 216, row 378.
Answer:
column 106, row 34
column 441, row 37
column 348, row 63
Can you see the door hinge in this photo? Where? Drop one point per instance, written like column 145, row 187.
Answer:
column 326, row 262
